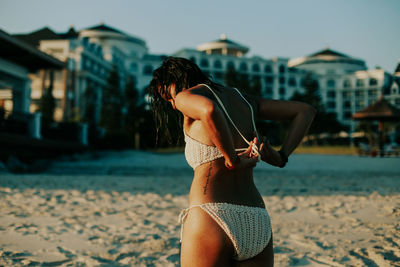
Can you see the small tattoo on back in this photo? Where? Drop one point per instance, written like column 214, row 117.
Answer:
column 208, row 179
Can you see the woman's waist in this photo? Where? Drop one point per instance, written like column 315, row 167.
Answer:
column 217, row 184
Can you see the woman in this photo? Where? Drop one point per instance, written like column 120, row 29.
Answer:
column 226, row 223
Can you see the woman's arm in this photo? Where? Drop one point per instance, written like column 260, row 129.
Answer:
column 300, row 114
column 201, row 108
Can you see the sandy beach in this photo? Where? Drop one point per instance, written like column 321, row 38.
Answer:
column 121, row 209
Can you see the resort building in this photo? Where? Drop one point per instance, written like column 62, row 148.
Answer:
column 346, row 85
column 90, row 55
column 129, row 53
column 17, row 61
column 85, row 67
column 277, row 80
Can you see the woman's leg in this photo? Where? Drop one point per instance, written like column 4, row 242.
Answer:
column 264, row 259
column 204, row 242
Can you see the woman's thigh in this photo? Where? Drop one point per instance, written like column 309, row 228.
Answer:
column 204, row 242
column 264, row 259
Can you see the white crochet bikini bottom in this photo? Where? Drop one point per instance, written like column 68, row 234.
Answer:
column 248, row 228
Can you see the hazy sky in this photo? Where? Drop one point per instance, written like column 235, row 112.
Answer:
column 366, row 29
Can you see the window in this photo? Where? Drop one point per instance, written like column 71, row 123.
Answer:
column 373, row 82
column 256, row 67
column 360, row 93
column 204, row 63
column 346, row 94
column 331, row 94
column 243, row 66
column 360, row 83
column 347, row 115
column 346, row 104
column 331, row 104
column 282, row 69
column 148, row 70
column 268, row 69
column 330, row 83
column 217, row 64
column 193, row 59
column 269, row 79
column 268, row 91
column 372, row 93
column 360, row 104
column 230, row 65
column 292, row 82
column 134, row 67
column 282, row 91
column 346, row 83
column 282, row 80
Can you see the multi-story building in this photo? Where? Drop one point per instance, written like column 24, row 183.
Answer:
column 277, row 80
column 17, row 61
column 85, row 68
column 345, row 84
column 129, row 53
column 90, row 55
column 394, row 91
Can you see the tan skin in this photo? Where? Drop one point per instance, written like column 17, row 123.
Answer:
column 204, row 243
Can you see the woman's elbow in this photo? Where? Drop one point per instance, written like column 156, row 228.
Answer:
column 309, row 111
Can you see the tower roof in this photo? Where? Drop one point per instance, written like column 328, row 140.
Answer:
column 328, row 52
column 397, row 70
column 223, row 45
column 35, row 37
column 102, row 30
column 104, row 27
column 327, row 56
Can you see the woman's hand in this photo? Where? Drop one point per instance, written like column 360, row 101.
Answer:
column 269, row 154
column 248, row 158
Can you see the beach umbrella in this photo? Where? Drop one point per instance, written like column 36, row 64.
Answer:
column 381, row 111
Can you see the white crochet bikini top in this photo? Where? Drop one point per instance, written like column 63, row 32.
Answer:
column 197, row 153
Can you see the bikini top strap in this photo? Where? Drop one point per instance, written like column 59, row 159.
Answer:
column 227, row 114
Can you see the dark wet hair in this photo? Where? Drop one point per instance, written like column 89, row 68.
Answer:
column 184, row 74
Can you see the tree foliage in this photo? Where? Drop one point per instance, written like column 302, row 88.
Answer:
column 47, row 101
column 111, row 104
column 132, row 110
column 90, row 105
column 242, row 82
column 324, row 122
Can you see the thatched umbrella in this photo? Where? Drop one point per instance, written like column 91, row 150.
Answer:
column 381, row 111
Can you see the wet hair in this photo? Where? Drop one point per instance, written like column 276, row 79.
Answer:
column 184, row 74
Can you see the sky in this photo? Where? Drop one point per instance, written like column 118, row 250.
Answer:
column 364, row 29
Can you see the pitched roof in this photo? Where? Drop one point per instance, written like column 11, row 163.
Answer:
column 328, row 52
column 24, row 54
column 70, row 34
column 380, row 110
column 35, row 37
column 103, row 27
column 398, row 68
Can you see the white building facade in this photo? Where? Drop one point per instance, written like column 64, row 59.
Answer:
column 86, row 68
column 345, row 84
column 277, row 80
